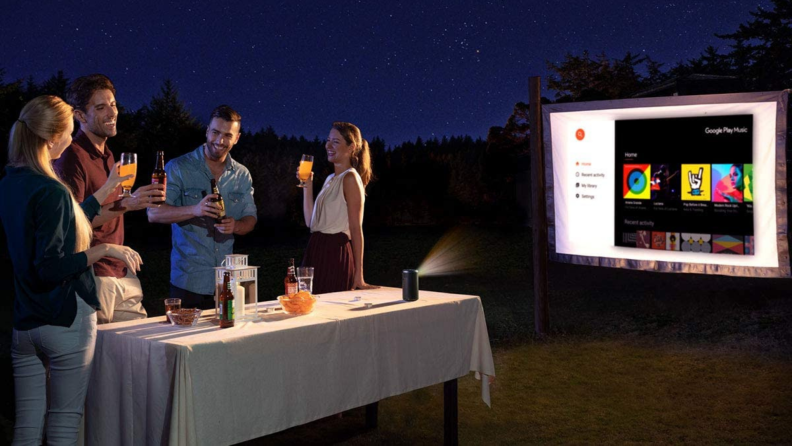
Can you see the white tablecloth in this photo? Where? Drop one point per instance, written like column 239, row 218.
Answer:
column 157, row 384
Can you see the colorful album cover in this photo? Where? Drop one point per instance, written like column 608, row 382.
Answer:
column 672, row 241
column 696, row 242
column 637, row 182
column 748, row 180
column 659, row 240
column 643, row 239
column 696, row 182
column 728, row 183
column 665, row 182
column 727, row 244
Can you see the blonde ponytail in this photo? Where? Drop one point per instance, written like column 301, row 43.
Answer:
column 41, row 120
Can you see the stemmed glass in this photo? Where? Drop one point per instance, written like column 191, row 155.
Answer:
column 128, row 167
column 304, row 172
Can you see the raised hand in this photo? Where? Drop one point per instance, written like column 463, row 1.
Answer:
column 297, row 174
column 111, row 185
column 115, row 179
column 149, row 196
column 207, row 208
column 695, row 181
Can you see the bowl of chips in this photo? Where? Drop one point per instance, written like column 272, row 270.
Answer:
column 298, row 303
column 184, row 316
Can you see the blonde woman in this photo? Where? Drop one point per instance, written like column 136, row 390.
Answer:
column 48, row 237
column 335, row 248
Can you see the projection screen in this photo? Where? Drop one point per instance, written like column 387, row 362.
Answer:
column 692, row 184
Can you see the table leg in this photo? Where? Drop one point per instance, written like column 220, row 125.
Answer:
column 450, row 413
column 371, row 415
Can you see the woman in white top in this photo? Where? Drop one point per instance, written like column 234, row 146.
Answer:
column 335, row 249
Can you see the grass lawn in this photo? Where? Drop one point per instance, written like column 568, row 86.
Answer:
column 588, row 392
column 633, row 357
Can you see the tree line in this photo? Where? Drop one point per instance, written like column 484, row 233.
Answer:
column 758, row 55
column 421, row 182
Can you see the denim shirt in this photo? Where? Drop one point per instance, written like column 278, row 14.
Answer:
column 197, row 246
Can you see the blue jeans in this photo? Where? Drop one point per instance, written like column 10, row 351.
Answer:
column 68, row 353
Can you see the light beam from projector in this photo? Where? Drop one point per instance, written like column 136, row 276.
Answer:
column 452, row 254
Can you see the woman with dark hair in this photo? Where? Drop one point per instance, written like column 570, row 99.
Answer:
column 736, row 184
column 335, row 249
column 49, row 238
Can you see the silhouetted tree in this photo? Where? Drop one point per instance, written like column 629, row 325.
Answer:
column 163, row 124
column 583, row 78
column 762, row 48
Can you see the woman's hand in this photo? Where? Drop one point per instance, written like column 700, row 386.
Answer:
column 361, row 284
column 111, row 185
column 297, row 174
column 115, row 179
column 125, row 254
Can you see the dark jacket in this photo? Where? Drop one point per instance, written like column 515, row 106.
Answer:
column 38, row 218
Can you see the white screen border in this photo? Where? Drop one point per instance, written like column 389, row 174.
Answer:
column 573, row 225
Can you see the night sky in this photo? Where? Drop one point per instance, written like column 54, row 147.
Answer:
column 397, row 69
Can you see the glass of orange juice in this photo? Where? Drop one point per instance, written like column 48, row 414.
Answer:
column 128, row 167
column 304, row 172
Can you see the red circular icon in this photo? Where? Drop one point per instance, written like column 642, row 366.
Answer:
column 580, row 134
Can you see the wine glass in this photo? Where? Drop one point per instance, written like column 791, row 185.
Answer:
column 304, row 172
column 128, row 167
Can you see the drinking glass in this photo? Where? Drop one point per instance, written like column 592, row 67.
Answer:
column 304, row 172
column 128, row 167
column 170, row 306
column 305, row 275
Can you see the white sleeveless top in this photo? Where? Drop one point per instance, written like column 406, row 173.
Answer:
column 330, row 215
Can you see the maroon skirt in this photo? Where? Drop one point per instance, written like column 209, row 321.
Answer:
column 331, row 257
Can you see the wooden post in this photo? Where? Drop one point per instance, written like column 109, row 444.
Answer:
column 538, row 209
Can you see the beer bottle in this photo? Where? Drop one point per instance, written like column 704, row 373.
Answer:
column 226, row 303
column 159, row 176
column 291, row 279
column 218, row 200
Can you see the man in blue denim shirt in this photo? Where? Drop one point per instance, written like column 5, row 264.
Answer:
column 199, row 243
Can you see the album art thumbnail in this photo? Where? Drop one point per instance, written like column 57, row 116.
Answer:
column 629, row 238
column 696, row 182
column 748, row 180
column 728, row 183
column 636, row 182
column 672, row 241
column 643, row 239
column 749, row 245
column 727, row 244
column 659, row 240
column 665, row 182
column 696, row 242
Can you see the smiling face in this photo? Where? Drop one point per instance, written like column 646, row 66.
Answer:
column 61, row 142
column 100, row 114
column 221, row 135
column 338, row 150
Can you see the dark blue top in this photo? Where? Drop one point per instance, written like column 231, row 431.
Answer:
column 38, row 218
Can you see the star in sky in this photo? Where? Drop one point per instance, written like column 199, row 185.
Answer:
column 398, row 69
